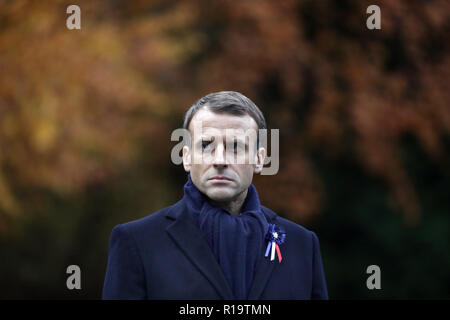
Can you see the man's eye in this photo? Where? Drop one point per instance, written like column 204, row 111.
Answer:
column 205, row 144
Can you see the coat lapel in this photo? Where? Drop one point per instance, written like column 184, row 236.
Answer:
column 262, row 275
column 190, row 240
column 264, row 268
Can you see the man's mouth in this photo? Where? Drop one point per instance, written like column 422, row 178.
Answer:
column 220, row 179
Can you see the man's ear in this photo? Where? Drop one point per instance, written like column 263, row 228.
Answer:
column 259, row 157
column 187, row 158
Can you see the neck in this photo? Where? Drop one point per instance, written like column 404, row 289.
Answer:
column 234, row 206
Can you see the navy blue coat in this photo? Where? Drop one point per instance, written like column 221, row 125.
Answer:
column 165, row 256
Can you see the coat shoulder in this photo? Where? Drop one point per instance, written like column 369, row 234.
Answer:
column 153, row 222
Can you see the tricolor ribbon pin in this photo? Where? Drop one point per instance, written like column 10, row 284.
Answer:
column 275, row 236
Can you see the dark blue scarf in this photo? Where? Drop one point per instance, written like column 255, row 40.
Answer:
column 236, row 240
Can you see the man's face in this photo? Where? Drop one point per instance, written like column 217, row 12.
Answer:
column 218, row 149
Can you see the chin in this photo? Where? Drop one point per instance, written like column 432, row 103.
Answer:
column 220, row 195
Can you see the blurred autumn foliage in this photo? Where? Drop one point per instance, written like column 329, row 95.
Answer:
column 364, row 118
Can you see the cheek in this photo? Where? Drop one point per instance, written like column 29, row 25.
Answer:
column 246, row 174
column 198, row 170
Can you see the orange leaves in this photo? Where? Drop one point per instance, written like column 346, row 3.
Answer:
column 75, row 107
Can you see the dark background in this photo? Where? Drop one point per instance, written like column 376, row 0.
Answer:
column 364, row 118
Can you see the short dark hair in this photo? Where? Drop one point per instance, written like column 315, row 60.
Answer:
column 231, row 102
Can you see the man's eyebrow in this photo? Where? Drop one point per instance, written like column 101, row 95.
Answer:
column 242, row 141
column 200, row 140
column 206, row 138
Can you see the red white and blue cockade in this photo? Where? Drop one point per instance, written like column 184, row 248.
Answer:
column 276, row 236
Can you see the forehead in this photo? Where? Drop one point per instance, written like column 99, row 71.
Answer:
column 213, row 123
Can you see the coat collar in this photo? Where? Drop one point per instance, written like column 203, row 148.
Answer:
column 189, row 239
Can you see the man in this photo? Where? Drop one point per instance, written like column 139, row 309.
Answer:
column 218, row 241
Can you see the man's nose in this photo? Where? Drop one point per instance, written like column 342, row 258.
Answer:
column 219, row 156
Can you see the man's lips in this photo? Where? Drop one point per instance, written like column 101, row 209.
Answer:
column 220, row 178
